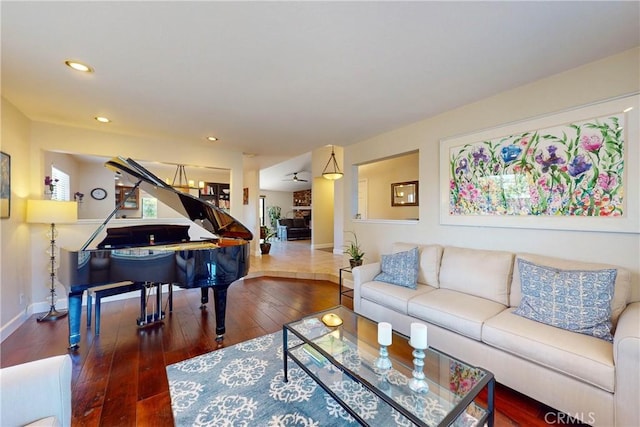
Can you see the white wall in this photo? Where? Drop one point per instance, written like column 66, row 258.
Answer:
column 601, row 80
column 284, row 199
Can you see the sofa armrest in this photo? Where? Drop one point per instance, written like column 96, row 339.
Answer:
column 363, row 274
column 626, row 358
column 35, row 390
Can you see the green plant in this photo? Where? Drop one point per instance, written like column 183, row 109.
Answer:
column 353, row 248
column 274, row 215
column 268, row 235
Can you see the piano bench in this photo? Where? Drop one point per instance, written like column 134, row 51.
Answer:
column 107, row 291
column 122, row 288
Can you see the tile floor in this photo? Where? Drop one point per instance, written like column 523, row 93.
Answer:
column 296, row 259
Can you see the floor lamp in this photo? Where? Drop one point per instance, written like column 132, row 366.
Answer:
column 52, row 212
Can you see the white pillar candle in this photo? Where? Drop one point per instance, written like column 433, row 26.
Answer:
column 418, row 336
column 384, row 333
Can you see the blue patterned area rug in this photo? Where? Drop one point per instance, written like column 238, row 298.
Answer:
column 243, row 385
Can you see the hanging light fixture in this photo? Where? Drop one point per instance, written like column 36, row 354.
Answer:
column 331, row 170
column 180, row 181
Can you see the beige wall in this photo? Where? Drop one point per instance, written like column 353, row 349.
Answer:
column 64, row 139
column 250, row 211
column 601, row 80
column 15, row 264
column 322, row 202
column 380, row 176
column 327, row 203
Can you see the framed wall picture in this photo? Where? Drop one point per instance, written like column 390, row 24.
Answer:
column 5, row 185
column 404, row 193
column 573, row 170
column 245, row 196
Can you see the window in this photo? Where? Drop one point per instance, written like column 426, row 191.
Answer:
column 62, row 189
column 262, row 210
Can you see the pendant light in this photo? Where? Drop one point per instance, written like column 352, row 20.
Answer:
column 331, row 170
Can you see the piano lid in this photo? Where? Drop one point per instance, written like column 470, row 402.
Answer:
column 210, row 217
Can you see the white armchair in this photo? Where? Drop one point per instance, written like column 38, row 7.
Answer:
column 36, row 393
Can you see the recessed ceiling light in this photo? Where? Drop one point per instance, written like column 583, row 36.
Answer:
column 78, row 66
column 626, row 110
column 212, row 138
column 102, row 119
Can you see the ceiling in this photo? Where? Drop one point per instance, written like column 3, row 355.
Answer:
column 276, row 80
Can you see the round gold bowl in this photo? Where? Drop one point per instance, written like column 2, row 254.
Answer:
column 331, row 319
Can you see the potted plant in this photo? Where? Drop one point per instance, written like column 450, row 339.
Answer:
column 354, row 251
column 265, row 245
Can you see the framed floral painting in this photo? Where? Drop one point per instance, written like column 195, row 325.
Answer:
column 575, row 170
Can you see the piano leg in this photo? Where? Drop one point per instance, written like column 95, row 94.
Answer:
column 220, row 302
column 142, row 320
column 75, row 316
column 204, row 297
column 158, row 315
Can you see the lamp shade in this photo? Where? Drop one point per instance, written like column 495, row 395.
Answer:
column 51, row 212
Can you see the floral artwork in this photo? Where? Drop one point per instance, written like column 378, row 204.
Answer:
column 462, row 378
column 570, row 170
column 5, row 185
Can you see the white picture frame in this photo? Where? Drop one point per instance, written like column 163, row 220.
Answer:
column 627, row 219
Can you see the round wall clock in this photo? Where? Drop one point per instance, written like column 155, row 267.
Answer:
column 99, row 193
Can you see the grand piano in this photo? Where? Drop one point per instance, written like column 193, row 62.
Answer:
column 159, row 253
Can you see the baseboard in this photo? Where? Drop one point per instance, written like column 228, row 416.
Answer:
column 62, row 304
column 12, row 325
column 322, row 246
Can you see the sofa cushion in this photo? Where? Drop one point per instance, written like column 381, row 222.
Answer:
column 287, row 222
column 580, row 356
column 483, row 273
column 429, row 266
column 391, row 296
column 400, row 268
column 575, row 300
column 621, row 295
column 456, row 311
column 299, row 223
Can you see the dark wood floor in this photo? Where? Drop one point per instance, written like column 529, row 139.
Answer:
column 119, row 377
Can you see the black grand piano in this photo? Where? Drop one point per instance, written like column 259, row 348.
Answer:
column 159, row 253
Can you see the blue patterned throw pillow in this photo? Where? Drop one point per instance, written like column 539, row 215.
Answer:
column 400, row 268
column 576, row 300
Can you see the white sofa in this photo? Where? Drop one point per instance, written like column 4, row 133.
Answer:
column 36, row 393
column 466, row 297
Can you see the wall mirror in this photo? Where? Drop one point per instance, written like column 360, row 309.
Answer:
column 404, row 193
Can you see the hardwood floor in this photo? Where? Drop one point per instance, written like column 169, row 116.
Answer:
column 119, row 377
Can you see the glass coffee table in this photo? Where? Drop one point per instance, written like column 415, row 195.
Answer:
column 341, row 359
